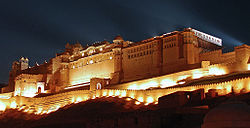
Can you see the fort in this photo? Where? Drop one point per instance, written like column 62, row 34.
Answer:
column 185, row 60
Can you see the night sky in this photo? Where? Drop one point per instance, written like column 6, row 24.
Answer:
column 40, row 29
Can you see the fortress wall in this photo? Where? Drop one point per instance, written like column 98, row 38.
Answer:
column 140, row 61
column 48, row 103
column 223, row 88
column 171, row 49
column 81, row 72
column 213, row 56
column 6, row 95
column 26, row 84
column 172, row 79
column 217, row 56
column 228, row 57
column 52, row 103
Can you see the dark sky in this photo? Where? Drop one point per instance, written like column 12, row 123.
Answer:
column 39, row 29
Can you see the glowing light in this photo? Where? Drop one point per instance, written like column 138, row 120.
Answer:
column 26, row 110
column 182, row 82
column 140, row 99
column 143, row 85
column 22, row 107
column 128, row 99
column 78, row 99
column 183, row 77
column 150, row 100
column 137, row 103
column 2, row 106
column 104, row 93
column 132, row 95
column 49, row 111
column 229, row 88
column 248, row 66
column 57, row 107
column 149, row 85
column 29, row 91
column 133, row 86
column 44, row 112
column 111, row 93
column 117, row 93
column 39, row 111
column 110, row 58
column 216, row 71
column 197, row 74
column 73, row 100
column 101, row 49
column 123, row 93
column 13, row 104
column 218, row 87
column 167, row 83
column 91, row 61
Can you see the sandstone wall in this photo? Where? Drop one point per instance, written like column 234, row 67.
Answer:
column 82, row 70
column 54, row 102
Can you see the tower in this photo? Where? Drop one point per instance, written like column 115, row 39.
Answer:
column 24, row 63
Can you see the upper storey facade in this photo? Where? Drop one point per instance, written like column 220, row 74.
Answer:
column 124, row 61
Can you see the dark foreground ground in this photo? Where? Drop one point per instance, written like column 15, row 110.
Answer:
column 114, row 112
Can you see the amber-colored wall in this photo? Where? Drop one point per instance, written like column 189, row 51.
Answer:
column 26, row 84
column 139, row 61
column 52, row 103
column 81, row 72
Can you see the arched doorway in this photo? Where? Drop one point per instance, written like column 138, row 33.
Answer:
column 98, row 86
column 39, row 90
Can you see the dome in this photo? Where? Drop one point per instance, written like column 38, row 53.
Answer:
column 229, row 114
column 118, row 38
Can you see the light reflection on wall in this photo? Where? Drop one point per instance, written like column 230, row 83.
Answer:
column 216, row 71
column 140, row 99
column 29, row 91
column 197, row 74
column 13, row 104
column 174, row 79
column 167, row 83
column 2, row 106
column 143, row 97
column 150, row 99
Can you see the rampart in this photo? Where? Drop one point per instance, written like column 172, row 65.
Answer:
column 53, row 102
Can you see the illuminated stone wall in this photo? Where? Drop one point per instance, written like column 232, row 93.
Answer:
column 52, row 103
column 140, row 61
column 27, row 85
column 99, row 65
column 216, row 57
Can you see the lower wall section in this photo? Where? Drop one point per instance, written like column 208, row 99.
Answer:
column 52, row 103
